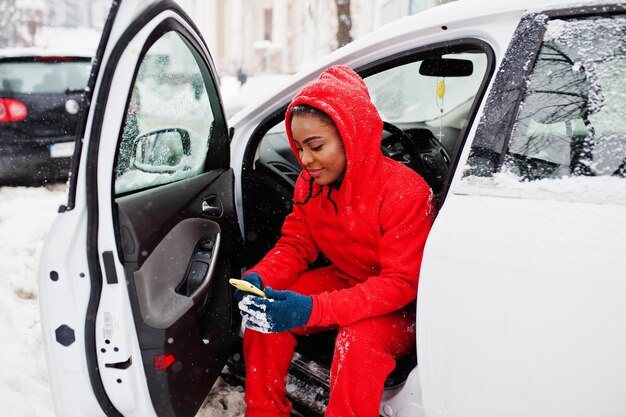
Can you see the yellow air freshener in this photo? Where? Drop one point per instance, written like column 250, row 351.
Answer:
column 441, row 89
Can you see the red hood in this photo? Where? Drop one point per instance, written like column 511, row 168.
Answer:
column 341, row 93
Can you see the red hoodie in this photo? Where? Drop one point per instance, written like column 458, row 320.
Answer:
column 376, row 234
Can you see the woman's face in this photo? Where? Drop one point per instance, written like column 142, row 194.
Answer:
column 320, row 148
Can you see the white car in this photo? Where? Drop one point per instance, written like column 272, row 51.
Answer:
column 513, row 112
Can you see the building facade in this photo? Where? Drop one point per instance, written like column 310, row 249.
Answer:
column 283, row 36
column 253, row 36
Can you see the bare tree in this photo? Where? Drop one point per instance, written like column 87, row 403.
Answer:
column 8, row 17
column 344, row 20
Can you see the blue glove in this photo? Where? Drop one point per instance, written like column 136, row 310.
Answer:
column 279, row 312
column 254, row 279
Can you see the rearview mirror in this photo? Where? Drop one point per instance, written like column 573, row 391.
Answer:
column 446, row 67
column 162, row 151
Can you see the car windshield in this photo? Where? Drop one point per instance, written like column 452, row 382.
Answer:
column 49, row 76
column 405, row 96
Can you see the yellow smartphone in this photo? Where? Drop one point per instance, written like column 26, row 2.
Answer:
column 246, row 286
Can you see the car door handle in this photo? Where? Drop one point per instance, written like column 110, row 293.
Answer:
column 212, row 206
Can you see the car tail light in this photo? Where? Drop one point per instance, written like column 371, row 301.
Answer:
column 162, row 362
column 12, row 110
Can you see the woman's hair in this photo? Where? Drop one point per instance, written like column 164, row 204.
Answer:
column 308, row 110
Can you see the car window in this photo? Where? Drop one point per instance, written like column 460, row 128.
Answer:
column 50, row 75
column 571, row 120
column 169, row 119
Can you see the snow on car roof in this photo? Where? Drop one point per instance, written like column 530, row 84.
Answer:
column 474, row 8
column 464, row 10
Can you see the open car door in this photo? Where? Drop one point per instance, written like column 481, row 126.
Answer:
column 136, row 306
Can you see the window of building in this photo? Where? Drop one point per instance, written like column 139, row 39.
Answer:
column 267, row 24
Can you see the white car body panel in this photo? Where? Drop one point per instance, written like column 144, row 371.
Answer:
column 384, row 44
column 66, row 365
column 545, row 338
column 495, row 339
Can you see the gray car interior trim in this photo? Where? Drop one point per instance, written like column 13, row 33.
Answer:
column 156, row 281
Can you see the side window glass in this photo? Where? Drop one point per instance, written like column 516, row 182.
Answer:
column 570, row 122
column 168, row 125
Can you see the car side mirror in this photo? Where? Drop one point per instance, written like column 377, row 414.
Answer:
column 162, row 151
column 446, row 67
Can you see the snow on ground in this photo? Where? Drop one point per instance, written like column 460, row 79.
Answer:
column 223, row 401
column 26, row 214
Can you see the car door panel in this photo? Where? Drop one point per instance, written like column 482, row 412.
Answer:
column 167, row 241
column 173, row 237
column 158, row 281
column 142, row 220
column 525, row 246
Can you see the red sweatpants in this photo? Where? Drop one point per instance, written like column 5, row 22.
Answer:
column 364, row 356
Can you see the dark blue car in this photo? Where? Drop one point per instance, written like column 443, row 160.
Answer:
column 41, row 103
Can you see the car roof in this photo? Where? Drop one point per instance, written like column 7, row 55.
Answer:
column 19, row 52
column 474, row 10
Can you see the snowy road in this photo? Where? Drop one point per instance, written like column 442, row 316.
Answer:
column 25, row 216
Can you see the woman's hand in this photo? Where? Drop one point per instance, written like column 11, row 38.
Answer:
column 279, row 312
column 254, row 279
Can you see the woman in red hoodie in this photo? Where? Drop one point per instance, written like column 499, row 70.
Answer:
column 370, row 216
